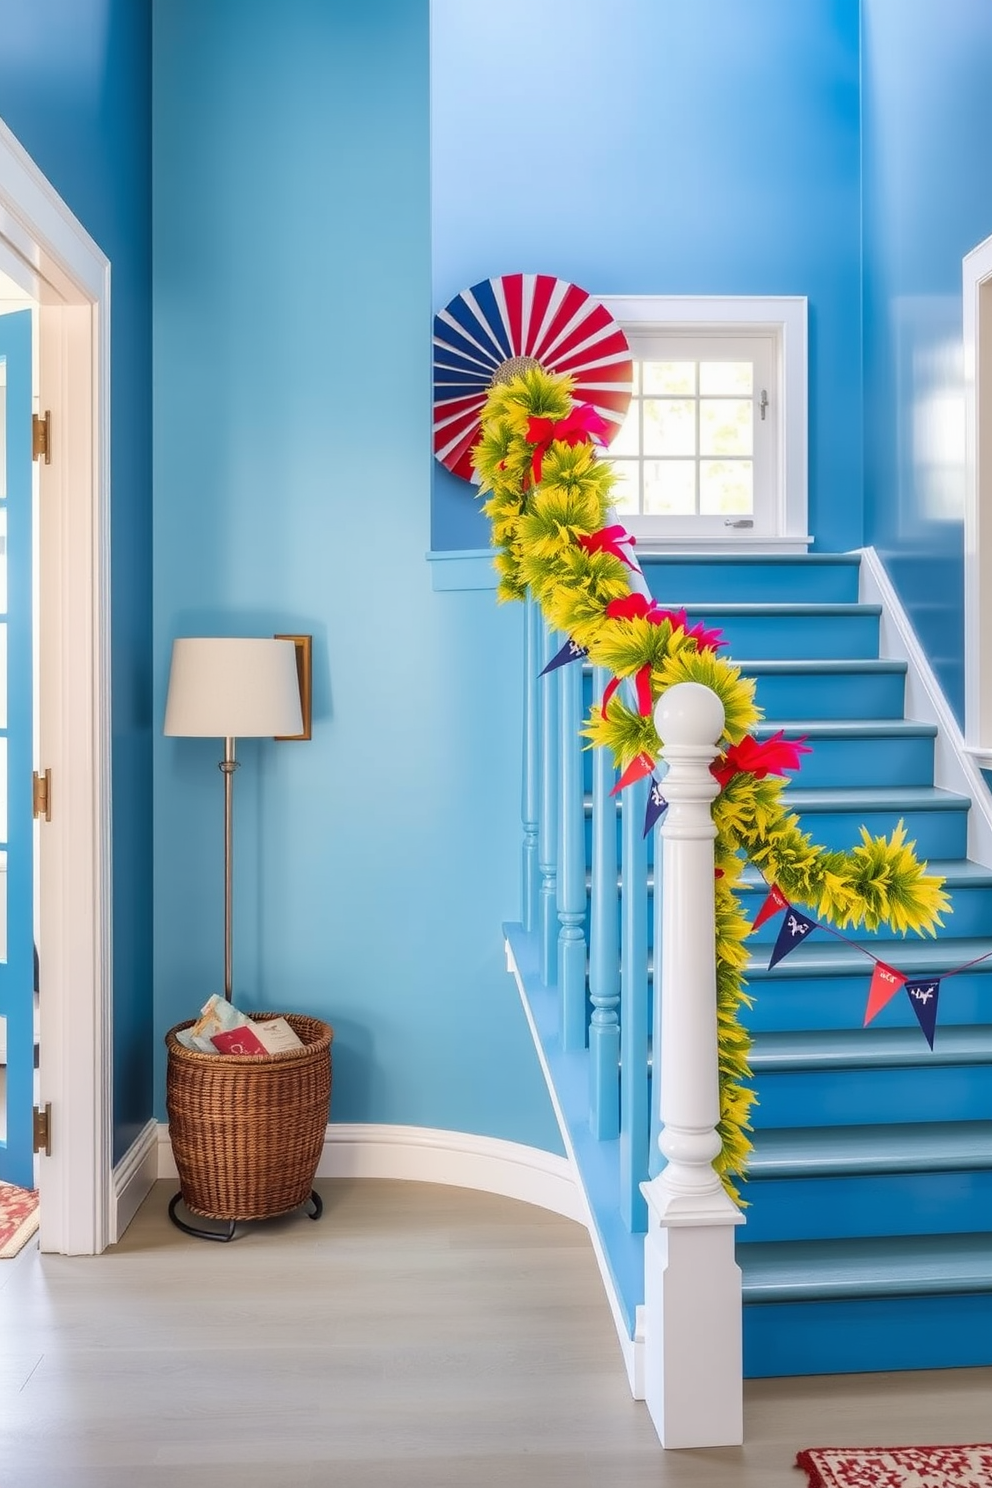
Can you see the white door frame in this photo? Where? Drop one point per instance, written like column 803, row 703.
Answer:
column 51, row 256
column 977, row 305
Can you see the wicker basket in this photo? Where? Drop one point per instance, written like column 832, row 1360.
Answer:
column 247, row 1130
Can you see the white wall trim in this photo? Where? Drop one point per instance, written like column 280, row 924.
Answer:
column 786, row 317
column 427, row 1155
column 54, row 259
column 955, row 767
column 133, row 1177
column 977, row 333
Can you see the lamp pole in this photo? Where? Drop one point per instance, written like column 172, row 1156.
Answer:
column 228, row 765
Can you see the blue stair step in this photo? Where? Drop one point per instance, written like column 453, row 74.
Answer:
column 848, row 1181
column 677, row 579
column 765, row 632
column 896, row 1147
column 828, row 689
column 870, row 1049
column 871, row 752
column 872, row 1266
column 936, row 821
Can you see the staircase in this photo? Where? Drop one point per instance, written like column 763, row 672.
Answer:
column 868, row 1241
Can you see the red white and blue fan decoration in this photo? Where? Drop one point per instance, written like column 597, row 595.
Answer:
column 499, row 328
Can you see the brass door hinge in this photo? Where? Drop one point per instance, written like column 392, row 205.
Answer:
column 43, row 1129
column 41, row 795
column 41, row 437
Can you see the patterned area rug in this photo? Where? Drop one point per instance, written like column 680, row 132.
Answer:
column 18, row 1218
column 898, row 1467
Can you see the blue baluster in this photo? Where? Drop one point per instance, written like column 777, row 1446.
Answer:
column 604, row 946
column 572, row 864
column 634, row 1117
column 547, row 831
column 531, row 784
column 655, row 1161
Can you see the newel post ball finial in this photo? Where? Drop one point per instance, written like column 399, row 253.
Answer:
column 689, row 713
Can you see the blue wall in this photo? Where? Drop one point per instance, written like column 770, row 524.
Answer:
column 928, row 201
column 292, row 491
column 661, row 147
column 75, row 79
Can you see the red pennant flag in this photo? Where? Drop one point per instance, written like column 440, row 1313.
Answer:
column 885, row 983
column 640, row 765
column 776, row 900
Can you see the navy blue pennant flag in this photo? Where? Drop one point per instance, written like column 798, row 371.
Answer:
column 571, row 651
column 923, row 997
column 794, row 931
column 657, row 806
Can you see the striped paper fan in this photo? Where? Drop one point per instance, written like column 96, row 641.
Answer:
column 498, row 328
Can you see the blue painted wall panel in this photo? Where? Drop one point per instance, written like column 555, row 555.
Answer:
column 928, row 202
column 75, row 79
column 660, row 147
column 292, row 477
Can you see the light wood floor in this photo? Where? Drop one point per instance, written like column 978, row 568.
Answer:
column 415, row 1337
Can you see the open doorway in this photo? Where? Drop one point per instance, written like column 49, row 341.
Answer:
column 46, row 253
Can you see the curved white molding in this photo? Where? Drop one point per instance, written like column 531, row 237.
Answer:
column 427, row 1155
column 52, row 257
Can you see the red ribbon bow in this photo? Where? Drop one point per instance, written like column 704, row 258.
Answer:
column 774, row 757
column 580, row 426
column 609, row 540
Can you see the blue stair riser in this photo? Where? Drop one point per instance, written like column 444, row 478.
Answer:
column 783, row 1001
column 873, row 1334
column 883, row 760
column 868, row 693
column 682, row 580
column 799, row 635
column 858, row 1097
column 938, row 833
column 837, row 1208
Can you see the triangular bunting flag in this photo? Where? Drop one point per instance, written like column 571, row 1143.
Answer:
column 657, row 806
column 885, row 983
column 923, row 996
column 571, row 651
column 640, row 765
column 793, row 932
column 776, row 900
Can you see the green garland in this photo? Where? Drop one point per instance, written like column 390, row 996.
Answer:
column 539, row 511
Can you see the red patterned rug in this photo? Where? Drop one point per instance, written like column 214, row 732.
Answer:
column 18, row 1218
column 898, row 1467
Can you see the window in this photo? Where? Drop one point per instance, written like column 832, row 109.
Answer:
column 713, row 449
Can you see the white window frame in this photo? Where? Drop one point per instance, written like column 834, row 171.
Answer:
column 784, row 317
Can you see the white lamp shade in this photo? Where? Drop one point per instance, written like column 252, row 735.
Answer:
column 233, row 687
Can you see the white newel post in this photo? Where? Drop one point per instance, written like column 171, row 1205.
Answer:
column 693, row 1363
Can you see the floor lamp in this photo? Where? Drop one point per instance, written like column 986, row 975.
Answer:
column 228, row 688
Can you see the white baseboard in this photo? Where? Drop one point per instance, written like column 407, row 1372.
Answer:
column 426, row 1155
column 133, row 1178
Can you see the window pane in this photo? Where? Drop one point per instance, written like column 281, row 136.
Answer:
column 727, row 377
column 669, row 378
column 670, row 426
column 726, row 487
column 624, row 495
column 636, row 381
column 726, row 426
column 670, row 487
column 626, row 442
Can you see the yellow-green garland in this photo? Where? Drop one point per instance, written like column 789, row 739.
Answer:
column 538, row 514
